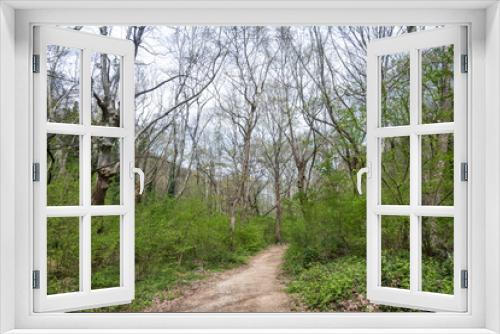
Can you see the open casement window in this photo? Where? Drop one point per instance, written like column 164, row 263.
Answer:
column 417, row 169
column 83, row 169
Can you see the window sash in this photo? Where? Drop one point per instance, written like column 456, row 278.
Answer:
column 415, row 297
column 86, row 297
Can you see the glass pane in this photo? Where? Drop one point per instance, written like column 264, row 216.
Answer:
column 105, row 89
column 437, row 84
column 63, row 84
column 63, row 259
column 105, row 171
column 437, row 254
column 105, row 252
column 395, row 171
column 395, row 89
column 437, row 169
column 395, row 252
column 63, row 170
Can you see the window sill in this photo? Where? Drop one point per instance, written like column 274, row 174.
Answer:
column 254, row 331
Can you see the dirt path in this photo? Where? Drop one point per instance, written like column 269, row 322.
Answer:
column 255, row 287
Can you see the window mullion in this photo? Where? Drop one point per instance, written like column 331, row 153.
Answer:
column 85, row 176
column 415, row 179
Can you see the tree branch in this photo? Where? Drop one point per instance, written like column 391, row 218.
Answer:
column 149, row 90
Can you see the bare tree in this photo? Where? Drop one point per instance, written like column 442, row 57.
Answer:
column 275, row 155
column 250, row 58
column 198, row 65
column 197, row 54
column 299, row 101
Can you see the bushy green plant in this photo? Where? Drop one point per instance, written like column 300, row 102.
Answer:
column 105, row 245
column 340, row 285
column 396, row 269
column 254, row 234
column 437, row 275
column 331, row 225
column 324, row 287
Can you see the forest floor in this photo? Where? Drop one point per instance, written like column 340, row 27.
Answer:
column 254, row 287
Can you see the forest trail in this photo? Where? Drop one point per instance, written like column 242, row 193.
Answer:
column 254, row 287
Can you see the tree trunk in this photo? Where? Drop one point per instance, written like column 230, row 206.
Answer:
column 301, row 184
column 107, row 167
column 277, row 195
column 245, row 170
column 232, row 221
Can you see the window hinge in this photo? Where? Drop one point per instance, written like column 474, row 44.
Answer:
column 36, row 64
column 464, row 171
column 465, row 63
column 464, row 279
column 36, row 172
column 36, row 279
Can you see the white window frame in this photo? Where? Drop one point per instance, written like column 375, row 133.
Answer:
column 483, row 17
column 86, row 297
column 412, row 44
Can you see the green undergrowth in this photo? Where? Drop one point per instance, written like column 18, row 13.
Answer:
column 340, row 285
column 325, row 260
column 180, row 241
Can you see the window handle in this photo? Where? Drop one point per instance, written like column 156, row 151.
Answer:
column 359, row 175
column 135, row 170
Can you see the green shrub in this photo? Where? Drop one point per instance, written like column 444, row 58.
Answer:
column 332, row 223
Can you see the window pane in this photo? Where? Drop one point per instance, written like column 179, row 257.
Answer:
column 437, row 254
column 63, row 84
column 395, row 252
column 395, row 89
column 63, row 259
column 437, row 84
column 105, row 89
column 63, row 155
column 395, row 171
column 105, row 252
column 437, row 169
column 105, row 171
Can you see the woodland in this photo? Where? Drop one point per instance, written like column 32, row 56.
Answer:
column 250, row 136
